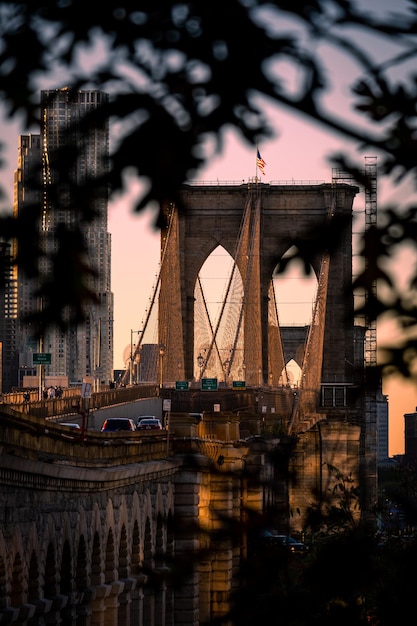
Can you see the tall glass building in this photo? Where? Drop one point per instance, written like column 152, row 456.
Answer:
column 84, row 349
column 8, row 320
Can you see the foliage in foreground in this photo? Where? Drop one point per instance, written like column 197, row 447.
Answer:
column 350, row 577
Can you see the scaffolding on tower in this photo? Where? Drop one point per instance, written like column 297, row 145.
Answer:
column 372, row 387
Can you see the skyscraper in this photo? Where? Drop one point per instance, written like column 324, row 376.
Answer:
column 83, row 349
column 8, row 320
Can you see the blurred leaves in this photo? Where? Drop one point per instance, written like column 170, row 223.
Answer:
column 349, row 576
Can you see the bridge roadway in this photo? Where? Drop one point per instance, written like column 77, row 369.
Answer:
column 68, row 404
column 192, row 400
column 98, row 530
column 273, row 402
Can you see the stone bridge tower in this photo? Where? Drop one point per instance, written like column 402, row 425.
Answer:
column 257, row 224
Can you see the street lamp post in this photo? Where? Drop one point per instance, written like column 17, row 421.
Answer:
column 226, row 370
column 161, row 357
column 139, row 366
column 200, row 363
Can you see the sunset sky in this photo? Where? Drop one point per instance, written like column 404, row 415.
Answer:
column 298, row 152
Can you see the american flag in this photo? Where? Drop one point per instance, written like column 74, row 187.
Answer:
column 260, row 163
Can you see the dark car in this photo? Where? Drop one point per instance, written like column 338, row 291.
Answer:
column 117, row 424
column 288, row 542
column 149, row 423
column 292, row 545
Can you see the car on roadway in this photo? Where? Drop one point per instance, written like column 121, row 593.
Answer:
column 145, row 417
column 149, row 423
column 197, row 416
column 286, row 541
column 71, row 425
column 118, row 424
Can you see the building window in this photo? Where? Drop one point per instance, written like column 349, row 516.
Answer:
column 333, row 395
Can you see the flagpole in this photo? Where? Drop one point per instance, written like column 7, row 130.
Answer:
column 256, row 161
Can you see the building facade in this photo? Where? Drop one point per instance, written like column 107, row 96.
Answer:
column 8, row 320
column 83, row 349
column 410, row 436
column 382, row 427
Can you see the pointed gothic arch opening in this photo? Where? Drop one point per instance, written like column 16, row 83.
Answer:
column 110, row 564
column 33, row 578
column 218, row 328
column 123, row 567
column 17, row 591
column 50, row 577
column 295, row 292
column 96, row 564
column 293, row 373
column 66, row 569
column 81, row 578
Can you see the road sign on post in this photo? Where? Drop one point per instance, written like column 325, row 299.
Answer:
column 181, row 385
column 86, row 390
column 208, row 384
column 42, row 358
column 239, row 384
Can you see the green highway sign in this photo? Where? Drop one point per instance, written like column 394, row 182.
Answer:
column 239, row 384
column 181, row 385
column 208, row 384
column 42, row 358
